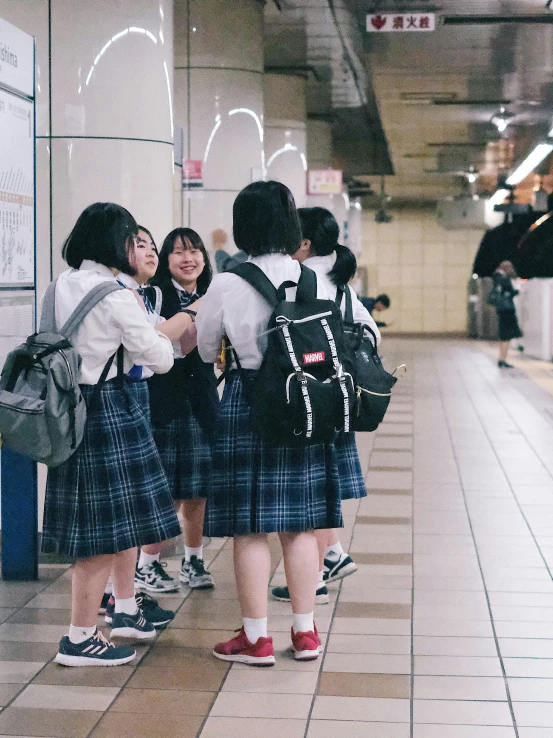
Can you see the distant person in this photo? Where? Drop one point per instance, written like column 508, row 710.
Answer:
column 380, row 303
column 506, row 312
column 223, row 260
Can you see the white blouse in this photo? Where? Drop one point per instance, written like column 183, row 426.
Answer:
column 322, row 265
column 234, row 308
column 115, row 320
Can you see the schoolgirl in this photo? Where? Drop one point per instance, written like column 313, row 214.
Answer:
column 335, row 266
column 184, row 406
column 111, row 495
column 256, row 488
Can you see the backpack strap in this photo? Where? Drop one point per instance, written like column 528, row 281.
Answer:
column 340, row 292
column 255, row 277
column 48, row 315
column 307, row 285
column 159, row 300
column 89, row 301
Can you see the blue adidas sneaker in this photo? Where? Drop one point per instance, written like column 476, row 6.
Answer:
column 124, row 625
column 95, row 651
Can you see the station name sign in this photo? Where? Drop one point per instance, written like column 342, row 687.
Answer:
column 16, row 59
column 401, row 22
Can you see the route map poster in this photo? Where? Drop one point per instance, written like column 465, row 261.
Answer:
column 16, row 191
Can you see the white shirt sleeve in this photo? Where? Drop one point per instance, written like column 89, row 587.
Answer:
column 362, row 315
column 210, row 321
column 144, row 344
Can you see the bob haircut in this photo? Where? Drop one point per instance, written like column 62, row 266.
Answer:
column 145, row 230
column 190, row 240
column 319, row 226
column 102, row 233
column 265, row 220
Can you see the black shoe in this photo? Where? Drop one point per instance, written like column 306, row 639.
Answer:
column 131, row 626
column 334, row 570
column 195, row 574
column 154, row 578
column 282, row 594
column 95, row 651
column 105, row 601
column 152, row 611
column 504, row 365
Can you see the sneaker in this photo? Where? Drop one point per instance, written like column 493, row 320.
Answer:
column 240, row 649
column 504, row 365
column 306, row 646
column 282, row 594
column 156, row 615
column 103, row 606
column 154, row 578
column 95, row 651
column 195, row 575
column 334, row 570
column 124, row 625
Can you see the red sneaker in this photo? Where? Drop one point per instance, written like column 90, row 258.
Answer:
column 306, row 646
column 240, row 649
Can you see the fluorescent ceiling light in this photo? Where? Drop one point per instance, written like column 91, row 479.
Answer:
column 498, row 197
column 530, row 163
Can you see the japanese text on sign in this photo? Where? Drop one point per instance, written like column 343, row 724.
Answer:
column 398, row 22
column 324, row 182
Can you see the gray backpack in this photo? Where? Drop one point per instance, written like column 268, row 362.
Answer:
column 42, row 410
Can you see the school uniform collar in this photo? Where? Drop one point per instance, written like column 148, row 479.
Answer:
column 178, row 287
column 93, row 266
column 327, row 261
column 128, row 281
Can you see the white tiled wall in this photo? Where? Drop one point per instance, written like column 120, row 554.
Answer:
column 422, row 267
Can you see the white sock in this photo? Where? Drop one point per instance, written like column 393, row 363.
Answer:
column 321, row 575
column 190, row 551
column 334, row 552
column 109, row 587
column 78, row 635
column 128, row 606
column 255, row 628
column 147, row 559
column 303, row 623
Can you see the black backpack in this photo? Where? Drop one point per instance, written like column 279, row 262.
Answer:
column 374, row 383
column 304, row 391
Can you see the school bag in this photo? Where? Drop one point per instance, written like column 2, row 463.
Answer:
column 499, row 298
column 373, row 383
column 42, row 410
column 304, row 391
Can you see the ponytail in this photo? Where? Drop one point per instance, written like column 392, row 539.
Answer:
column 344, row 267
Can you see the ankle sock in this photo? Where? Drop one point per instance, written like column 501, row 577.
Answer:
column 303, row 623
column 147, row 559
column 79, row 635
column 109, row 587
column 334, row 552
column 128, row 606
column 321, row 578
column 190, row 551
column 255, row 628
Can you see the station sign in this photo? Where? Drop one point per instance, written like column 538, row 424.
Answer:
column 401, row 22
column 192, row 174
column 324, row 182
column 16, row 59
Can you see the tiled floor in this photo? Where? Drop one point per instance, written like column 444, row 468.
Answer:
column 446, row 630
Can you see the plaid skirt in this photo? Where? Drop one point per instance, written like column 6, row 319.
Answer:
column 185, row 450
column 352, row 484
column 139, row 391
column 111, row 494
column 258, row 488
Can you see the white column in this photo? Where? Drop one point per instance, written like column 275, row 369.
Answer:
column 285, row 133
column 104, row 113
column 219, row 104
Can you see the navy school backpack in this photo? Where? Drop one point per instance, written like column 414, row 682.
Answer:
column 304, row 391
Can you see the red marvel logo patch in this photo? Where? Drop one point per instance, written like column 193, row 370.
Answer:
column 314, row 358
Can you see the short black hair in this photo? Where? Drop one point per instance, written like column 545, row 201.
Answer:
column 102, row 233
column 141, row 228
column 190, row 240
column 265, row 220
column 384, row 299
column 319, row 226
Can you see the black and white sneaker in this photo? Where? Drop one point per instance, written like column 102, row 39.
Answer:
column 195, row 574
column 95, row 651
column 103, row 606
column 282, row 594
column 124, row 625
column 150, row 607
column 334, row 570
column 154, row 578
